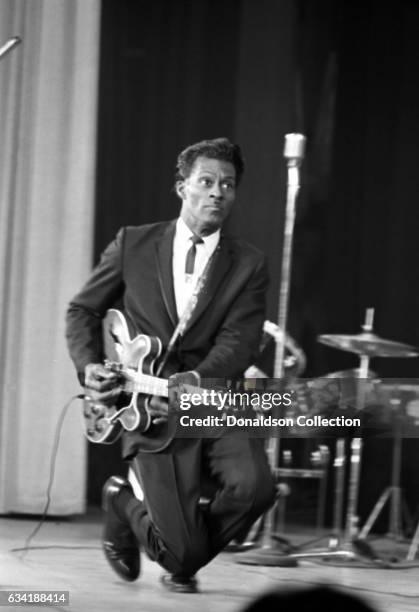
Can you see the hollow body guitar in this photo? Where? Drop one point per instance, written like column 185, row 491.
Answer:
column 133, row 360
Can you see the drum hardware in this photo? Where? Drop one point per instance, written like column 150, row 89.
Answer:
column 413, row 412
column 339, row 467
column 393, row 492
column 367, row 345
column 318, row 471
column 399, row 396
column 413, row 548
column 353, row 547
column 347, row 547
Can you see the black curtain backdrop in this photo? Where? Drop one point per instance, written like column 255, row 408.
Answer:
column 345, row 74
column 167, row 79
column 373, row 221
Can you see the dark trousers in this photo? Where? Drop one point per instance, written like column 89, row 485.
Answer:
column 171, row 526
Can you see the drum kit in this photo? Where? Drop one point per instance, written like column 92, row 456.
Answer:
column 352, row 546
column 366, row 345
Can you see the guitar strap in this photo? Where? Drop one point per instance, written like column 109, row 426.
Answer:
column 187, row 313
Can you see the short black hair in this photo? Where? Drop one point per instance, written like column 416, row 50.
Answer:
column 217, row 148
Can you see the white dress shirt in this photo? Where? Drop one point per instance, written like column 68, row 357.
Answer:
column 184, row 283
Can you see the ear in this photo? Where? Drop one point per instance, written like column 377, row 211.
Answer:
column 180, row 189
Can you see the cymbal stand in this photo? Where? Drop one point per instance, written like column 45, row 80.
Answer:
column 393, row 492
column 349, row 548
column 356, row 445
column 399, row 513
column 339, row 469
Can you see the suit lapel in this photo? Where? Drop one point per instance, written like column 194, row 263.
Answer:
column 164, row 257
column 223, row 260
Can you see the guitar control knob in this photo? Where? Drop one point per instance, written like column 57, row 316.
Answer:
column 97, row 409
column 99, row 427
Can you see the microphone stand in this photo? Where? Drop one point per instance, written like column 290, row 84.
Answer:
column 11, row 43
column 269, row 553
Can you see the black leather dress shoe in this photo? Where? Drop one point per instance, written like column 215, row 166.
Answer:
column 119, row 542
column 180, row 584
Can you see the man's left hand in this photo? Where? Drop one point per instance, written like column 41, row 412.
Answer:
column 158, row 409
column 178, row 383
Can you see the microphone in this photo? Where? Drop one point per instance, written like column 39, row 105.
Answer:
column 294, row 148
column 12, row 42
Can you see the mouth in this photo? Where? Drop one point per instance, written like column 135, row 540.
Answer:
column 217, row 207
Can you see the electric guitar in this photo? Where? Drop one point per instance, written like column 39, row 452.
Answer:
column 133, row 360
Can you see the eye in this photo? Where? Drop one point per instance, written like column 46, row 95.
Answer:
column 229, row 185
column 206, row 181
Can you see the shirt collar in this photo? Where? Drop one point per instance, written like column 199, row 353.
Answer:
column 183, row 233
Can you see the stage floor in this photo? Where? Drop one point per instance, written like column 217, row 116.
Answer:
column 66, row 555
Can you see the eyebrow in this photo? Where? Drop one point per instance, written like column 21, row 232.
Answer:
column 229, row 176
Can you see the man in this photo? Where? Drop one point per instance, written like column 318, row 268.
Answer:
column 154, row 269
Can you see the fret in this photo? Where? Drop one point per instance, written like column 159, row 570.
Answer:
column 137, row 382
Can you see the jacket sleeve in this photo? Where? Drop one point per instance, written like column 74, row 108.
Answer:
column 237, row 341
column 87, row 308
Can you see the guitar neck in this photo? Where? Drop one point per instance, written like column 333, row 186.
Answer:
column 150, row 385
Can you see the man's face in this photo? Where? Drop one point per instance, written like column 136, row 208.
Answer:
column 207, row 194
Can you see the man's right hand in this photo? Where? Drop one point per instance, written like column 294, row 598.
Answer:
column 101, row 384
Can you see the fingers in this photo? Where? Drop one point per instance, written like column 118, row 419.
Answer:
column 158, row 409
column 104, row 397
column 158, row 420
column 99, row 378
column 101, row 384
column 185, row 378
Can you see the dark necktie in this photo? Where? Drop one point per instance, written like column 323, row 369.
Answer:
column 191, row 254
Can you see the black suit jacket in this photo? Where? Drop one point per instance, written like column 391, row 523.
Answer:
column 223, row 334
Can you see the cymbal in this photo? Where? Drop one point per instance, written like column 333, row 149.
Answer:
column 352, row 373
column 367, row 343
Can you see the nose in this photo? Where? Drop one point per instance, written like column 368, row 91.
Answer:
column 216, row 191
